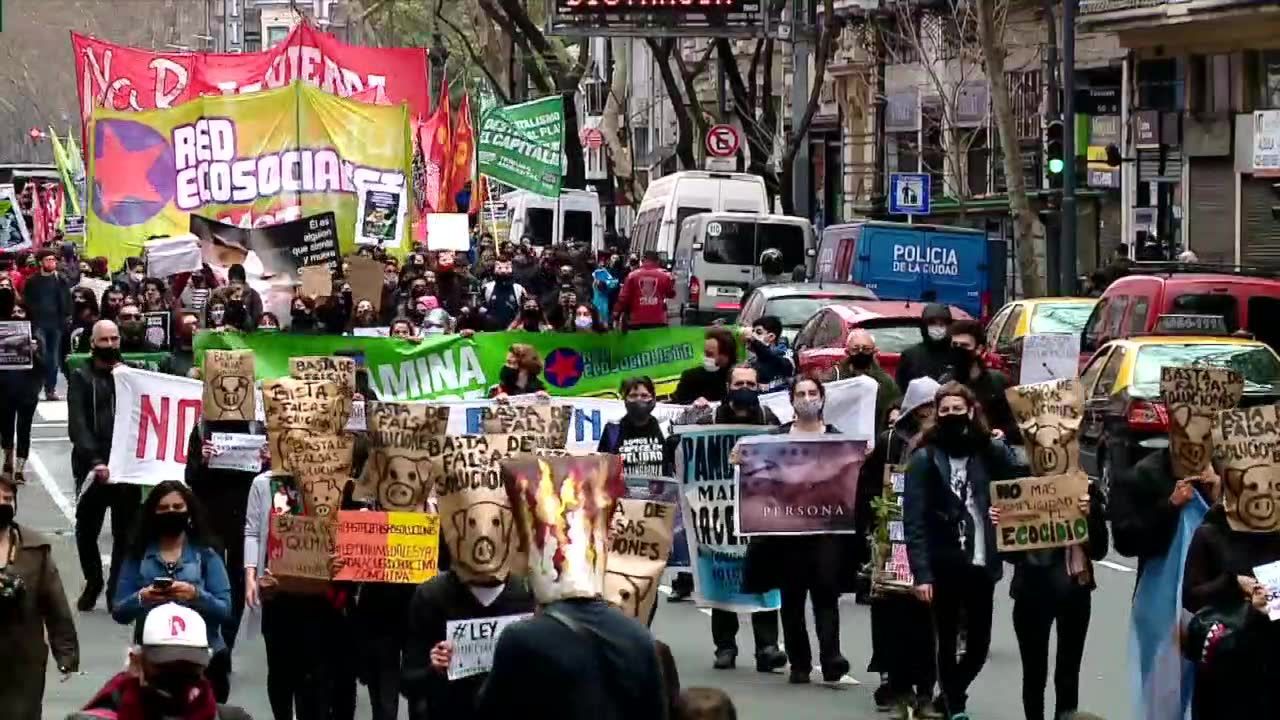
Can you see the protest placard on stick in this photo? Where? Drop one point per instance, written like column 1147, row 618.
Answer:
column 228, row 385
column 387, row 547
column 639, row 542
column 1192, row 395
column 1040, row 512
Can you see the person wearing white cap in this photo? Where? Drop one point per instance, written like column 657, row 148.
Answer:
column 165, row 679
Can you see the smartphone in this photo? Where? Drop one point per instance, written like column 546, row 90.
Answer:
column 162, row 583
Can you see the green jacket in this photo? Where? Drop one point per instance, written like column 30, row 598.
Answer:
column 887, row 396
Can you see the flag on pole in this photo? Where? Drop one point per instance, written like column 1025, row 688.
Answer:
column 65, row 171
column 464, row 147
column 434, row 136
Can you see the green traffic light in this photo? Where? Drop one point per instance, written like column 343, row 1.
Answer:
column 1056, row 165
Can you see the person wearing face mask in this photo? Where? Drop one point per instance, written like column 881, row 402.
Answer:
column 531, row 318
column 818, row 568
column 215, row 313
column 166, row 678
column 769, row 353
column 437, row 322
column 583, row 318
column 637, row 438
column 171, row 560
column 519, row 375
column 968, row 348
column 249, row 299
column 502, row 296
column 303, row 319
column 860, row 360
column 19, row 396
column 951, row 543
column 130, row 277
column 34, row 608
column 452, row 282
column 709, row 381
column 181, row 361
column 364, row 316
column 133, row 330
column 932, row 355
column 84, row 313
column 91, row 410
column 901, row 639
column 47, row 295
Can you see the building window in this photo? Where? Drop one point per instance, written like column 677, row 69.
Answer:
column 933, row 155
column 902, row 152
column 276, row 34
column 1160, row 85
column 973, row 142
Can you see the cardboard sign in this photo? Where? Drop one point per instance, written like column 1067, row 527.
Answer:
column 317, row 281
column 550, row 423
column 477, row 520
column 15, row 345
column 397, row 475
column 237, row 451
column 563, row 507
column 295, row 409
column 389, row 547
column 1192, row 396
column 474, row 642
column 299, row 548
column 1246, row 442
column 1049, row 415
column 341, row 370
column 1040, row 512
column 228, row 385
column 1049, row 357
column 365, row 276
column 798, row 485
column 321, row 464
column 890, row 569
column 640, row 540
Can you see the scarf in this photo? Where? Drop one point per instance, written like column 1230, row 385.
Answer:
column 122, row 698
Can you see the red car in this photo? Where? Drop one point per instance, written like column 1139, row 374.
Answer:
column 895, row 325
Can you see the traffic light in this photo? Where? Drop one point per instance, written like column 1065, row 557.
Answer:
column 1053, row 155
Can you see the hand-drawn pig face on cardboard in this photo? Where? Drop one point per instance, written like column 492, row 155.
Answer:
column 228, row 385
column 563, row 508
column 1246, row 442
column 639, row 542
column 549, row 423
column 1193, row 396
column 1049, row 415
column 297, row 409
column 397, row 474
column 321, row 464
column 476, row 517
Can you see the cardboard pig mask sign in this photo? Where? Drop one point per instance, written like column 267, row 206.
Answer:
column 1193, row 396
column 476, row 516
column 563, row 507
column 639, row 543
column 1048, row 413
column 299, row 408
column 1246, row 442
column 228, row 385
column 401, row 436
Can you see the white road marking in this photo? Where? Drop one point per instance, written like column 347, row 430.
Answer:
column 1116, row 566
column 52, row 410
column 55, row 493
column 50, row 426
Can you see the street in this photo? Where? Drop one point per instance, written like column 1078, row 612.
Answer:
column 46, row 504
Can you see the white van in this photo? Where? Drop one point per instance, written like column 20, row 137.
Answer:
column 673, row 198
column 536, row 216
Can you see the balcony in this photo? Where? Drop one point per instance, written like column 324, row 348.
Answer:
column 1119, row 15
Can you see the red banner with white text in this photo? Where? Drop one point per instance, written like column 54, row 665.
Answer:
column 126, row 78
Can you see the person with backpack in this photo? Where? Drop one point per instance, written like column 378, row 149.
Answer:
column 637, row 438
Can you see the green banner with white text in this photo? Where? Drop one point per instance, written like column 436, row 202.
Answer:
column 451, row 367
column 523, row 145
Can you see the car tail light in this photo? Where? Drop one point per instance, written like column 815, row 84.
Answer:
column 1147, row 416
column 695, row 290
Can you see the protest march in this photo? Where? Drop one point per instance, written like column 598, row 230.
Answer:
column 388, row 426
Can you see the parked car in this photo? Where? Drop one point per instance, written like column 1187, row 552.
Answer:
column 1038, row 316
column 1124, row 418
column 1133, row 304
column 820, row 343
column 717, row 259
column 794, row 303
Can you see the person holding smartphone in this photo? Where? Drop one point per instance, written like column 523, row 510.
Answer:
column 172, row 560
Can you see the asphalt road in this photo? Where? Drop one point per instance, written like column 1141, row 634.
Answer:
column 46, row 504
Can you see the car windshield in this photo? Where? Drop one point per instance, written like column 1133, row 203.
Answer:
column 1064, row 318
column 1258, row 365
column 793, row 311
column 896, row 338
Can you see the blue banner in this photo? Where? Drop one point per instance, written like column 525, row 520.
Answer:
column 716, row 552
column 1162, row 678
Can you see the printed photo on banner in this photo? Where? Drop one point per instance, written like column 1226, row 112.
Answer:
column 474, row 642
column 387, row 547
column 798, row 485
column 716, row 551
column 1049, row 414
column 890, row 569
column 155, row 414
column 237, row 451
column 1040, row 512
column 156, row 329
column 640, row 538
column 1193, row 395
column 381, row 215
column 14, row 235
column 1246, row 442
column 17, row 348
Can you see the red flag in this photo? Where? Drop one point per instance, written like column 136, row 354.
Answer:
column 436, row 153
column 464, row 147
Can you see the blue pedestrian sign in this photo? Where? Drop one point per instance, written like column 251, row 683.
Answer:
column 909, row 194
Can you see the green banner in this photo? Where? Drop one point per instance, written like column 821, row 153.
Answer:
column 451, row 367
column 142, row 360
column 523, row 145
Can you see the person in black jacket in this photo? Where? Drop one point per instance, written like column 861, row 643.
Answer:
column 50, row 302
column 1055, row 586
column 251, row 300
column 637, row 438
column 932, row 355
column 1144, row 502
column 769, row 354
column 951, row 543
column 968, row 347
column 19, row 396
column 710, row 381
column 91, row 400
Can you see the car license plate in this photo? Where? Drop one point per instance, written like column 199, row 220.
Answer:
column 725, row 291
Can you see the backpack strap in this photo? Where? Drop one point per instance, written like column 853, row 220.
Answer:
column 612, row 432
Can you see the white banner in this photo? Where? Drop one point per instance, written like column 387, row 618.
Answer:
column 474, row 641
column 155, row 414
column 1049, row 357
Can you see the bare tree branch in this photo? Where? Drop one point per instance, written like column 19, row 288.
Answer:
column 472, row 55
column 800, row 133
column 661, row 50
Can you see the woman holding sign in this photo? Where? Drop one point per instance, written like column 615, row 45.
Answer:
column 951, row 543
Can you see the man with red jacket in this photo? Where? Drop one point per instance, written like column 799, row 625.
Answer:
column 643, row 301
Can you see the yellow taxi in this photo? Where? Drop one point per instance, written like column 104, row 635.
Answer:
column 1033, row 316
column 1124, row 418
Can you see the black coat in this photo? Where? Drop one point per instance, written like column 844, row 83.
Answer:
column 91, row 412
column 698, row 383
column 924, row 359
column 223, row 493
column 1042, row 574
column 989, row 388
column 1142, row 519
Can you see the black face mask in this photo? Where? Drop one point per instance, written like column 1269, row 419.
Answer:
column 955, row 434
column 502, row 278
column 168, row 691
column 235, row 314
column 172, row 524
column 861, row 361
column 106, row 355
column 964, row 361
column 639, row 410
column 744, row 398
column 530, row 313
column 508, row 376
column 7, row 511
column 133, row 329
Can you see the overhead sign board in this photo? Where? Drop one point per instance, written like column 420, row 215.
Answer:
column 663, row 18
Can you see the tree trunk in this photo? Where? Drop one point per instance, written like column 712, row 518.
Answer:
column 662, row 50
column 1028, row 232
column 612, row 126
column 759, row 119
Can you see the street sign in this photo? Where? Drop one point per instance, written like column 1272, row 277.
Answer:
column 723, row 141
column 592, row 138
column 909, row 194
